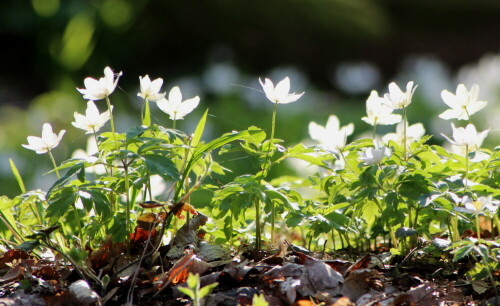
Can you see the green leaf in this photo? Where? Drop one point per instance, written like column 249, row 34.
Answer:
column 193, row 280
column 100, row 200
column 136, row 131
column 161, row 165
column 28, row 246
column 294, row 219
column 17, row 176
column 187, row 291
column 198, row 132
column 207, row 289
column 463, row 251
column 61, row 204
column 65, row 178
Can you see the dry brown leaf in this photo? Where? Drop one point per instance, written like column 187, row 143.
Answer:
column 11, row 255
column 321, row 276
column 362, row 263
column 151, row 204
column 344, row 301
column 281, row 273
column 189, row 263
column 141, row 235
column 237, row 270
column 186, row 207
column 186, row 236
column 303, row 303
column 359, row 282
column 14, row 273
column 288, row 289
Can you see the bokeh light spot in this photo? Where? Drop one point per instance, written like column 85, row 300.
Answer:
column 115, row 13
column 46, row 8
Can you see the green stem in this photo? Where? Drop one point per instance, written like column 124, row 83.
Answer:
column 146, row 118
column 54, row 164
column 405, row 123
column 478, row 228
column 77, row 220
column 374, row 130
column 273, row 212
column 466, row 166
column 127, row 211
column 347, row 164
column 454, row 226
column 111, row 120
column 258, row 238
column 273, row 123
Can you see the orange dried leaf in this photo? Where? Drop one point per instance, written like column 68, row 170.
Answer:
column 178, row 274
column 186, row 207
column 149, row 220
column 141, row 235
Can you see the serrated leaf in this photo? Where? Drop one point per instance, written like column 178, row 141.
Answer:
column 66, row 177
column 136, row 131
column 461, row 252
column 161, row 165
column 61, row 204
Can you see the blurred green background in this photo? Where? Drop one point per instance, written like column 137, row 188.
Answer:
column 335, row 50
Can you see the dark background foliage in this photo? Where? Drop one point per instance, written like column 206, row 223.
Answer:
column 49, row 46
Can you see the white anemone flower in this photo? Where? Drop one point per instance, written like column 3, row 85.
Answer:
column 379, row 113
column 374, row 155
column 331, row 137
column 462, row 104
column 175, row 107
column 150, row 90
column 281, row 93
column 100, row 89
column 396, row 98
column 413, row 133
column 480, row 206
column 47, row 142
column 92, row 121
column 468, row 137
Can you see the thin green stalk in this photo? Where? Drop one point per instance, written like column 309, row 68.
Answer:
column 348, row 165
column 333, row 239
column 273, row 124
column 405, row 123
column 150, row 193
column 77, row 220
column 127, row 211
column 454, row 227
column 410, row 213
column 111, row 120
column 466, row 166
column 54, row 163
column 273, row 212
column 258, row 238
column 146, row 118
column 478, row 228
column 374, row 130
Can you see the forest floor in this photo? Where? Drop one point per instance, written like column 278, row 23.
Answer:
column 285, row 275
